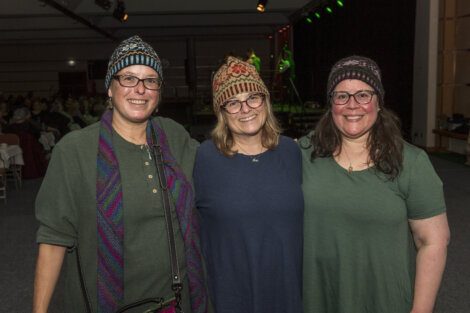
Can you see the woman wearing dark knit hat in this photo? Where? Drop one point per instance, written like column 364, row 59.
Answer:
column 117, row 195
column 248, row 192
column 376, row 230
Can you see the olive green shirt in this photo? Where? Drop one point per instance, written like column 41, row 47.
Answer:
column 359, row 254
column 66, row 210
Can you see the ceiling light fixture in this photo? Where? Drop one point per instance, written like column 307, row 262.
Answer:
column 120, row 11
column 261, row 6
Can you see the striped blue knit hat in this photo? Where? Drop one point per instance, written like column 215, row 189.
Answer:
column 132, row 51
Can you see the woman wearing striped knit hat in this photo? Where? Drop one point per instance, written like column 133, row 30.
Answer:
column 132, row 239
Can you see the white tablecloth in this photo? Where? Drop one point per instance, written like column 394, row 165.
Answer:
column 11, row 154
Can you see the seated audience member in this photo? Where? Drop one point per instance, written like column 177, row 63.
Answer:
column 57, row 119
column 21, row 123
column 72, row 109
column 35, row 163
column 4, row 114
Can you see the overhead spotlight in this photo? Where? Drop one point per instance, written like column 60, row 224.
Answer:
column 261, row 5
column 328, row 10
column 105, row 4
column 120, row 11
column 340, row 3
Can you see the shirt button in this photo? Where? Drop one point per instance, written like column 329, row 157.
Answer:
column 150, row 176
column 154, row 190
column 146, row 163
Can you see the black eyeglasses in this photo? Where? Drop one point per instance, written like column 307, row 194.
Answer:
column 254, row 101
column 361, row 96
column 151, row 83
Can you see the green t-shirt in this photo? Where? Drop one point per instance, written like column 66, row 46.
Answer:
column 66, row 210
column 359, row 254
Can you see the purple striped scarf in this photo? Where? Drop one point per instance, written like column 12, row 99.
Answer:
column 110, row 224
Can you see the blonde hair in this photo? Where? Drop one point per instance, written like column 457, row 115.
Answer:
column 223, row 138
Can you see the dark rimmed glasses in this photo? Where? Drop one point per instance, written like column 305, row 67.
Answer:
column 361, row 96
column 254, row 101
column 151, row 83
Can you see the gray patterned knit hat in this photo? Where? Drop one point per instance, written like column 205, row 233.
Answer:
column 356, row 67
column 132, row 51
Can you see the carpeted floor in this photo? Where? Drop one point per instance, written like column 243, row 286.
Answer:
column 18, row 248
column 450, row 156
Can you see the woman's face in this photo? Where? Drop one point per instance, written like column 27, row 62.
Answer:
column 352, row 119
column 134, row 105
column 248, row 122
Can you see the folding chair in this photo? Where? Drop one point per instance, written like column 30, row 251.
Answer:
column 14, row 170
column 3, row 185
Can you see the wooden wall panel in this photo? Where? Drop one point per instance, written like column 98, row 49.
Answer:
column 449, row 7
column 462, row 100
column 449, row 34
column 462, row 68
column 447, row 100
column 448, row 68
column 463, row 7
column 462, row 33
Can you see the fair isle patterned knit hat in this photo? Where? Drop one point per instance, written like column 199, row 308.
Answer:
column 132, row 51
column 356, row 67
column 233, row 77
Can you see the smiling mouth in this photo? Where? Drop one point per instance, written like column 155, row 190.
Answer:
column 353, row 118
column 247, row 119
column 137, row 101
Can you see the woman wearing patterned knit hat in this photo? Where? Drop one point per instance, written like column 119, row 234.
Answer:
column 376, row 230
column 248, row 192
column 120, row 215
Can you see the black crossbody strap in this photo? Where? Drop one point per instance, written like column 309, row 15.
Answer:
column 176, row 285
column 82, row 279
column 176, row 279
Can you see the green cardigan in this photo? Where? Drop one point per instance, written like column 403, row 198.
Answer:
column 66, row 211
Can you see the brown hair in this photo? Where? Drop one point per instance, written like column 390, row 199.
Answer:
column 385, row 142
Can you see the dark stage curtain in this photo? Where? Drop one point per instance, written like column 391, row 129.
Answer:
column 380, row 29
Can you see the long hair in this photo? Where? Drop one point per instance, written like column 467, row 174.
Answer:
column 223, row 138
column 385, row 142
